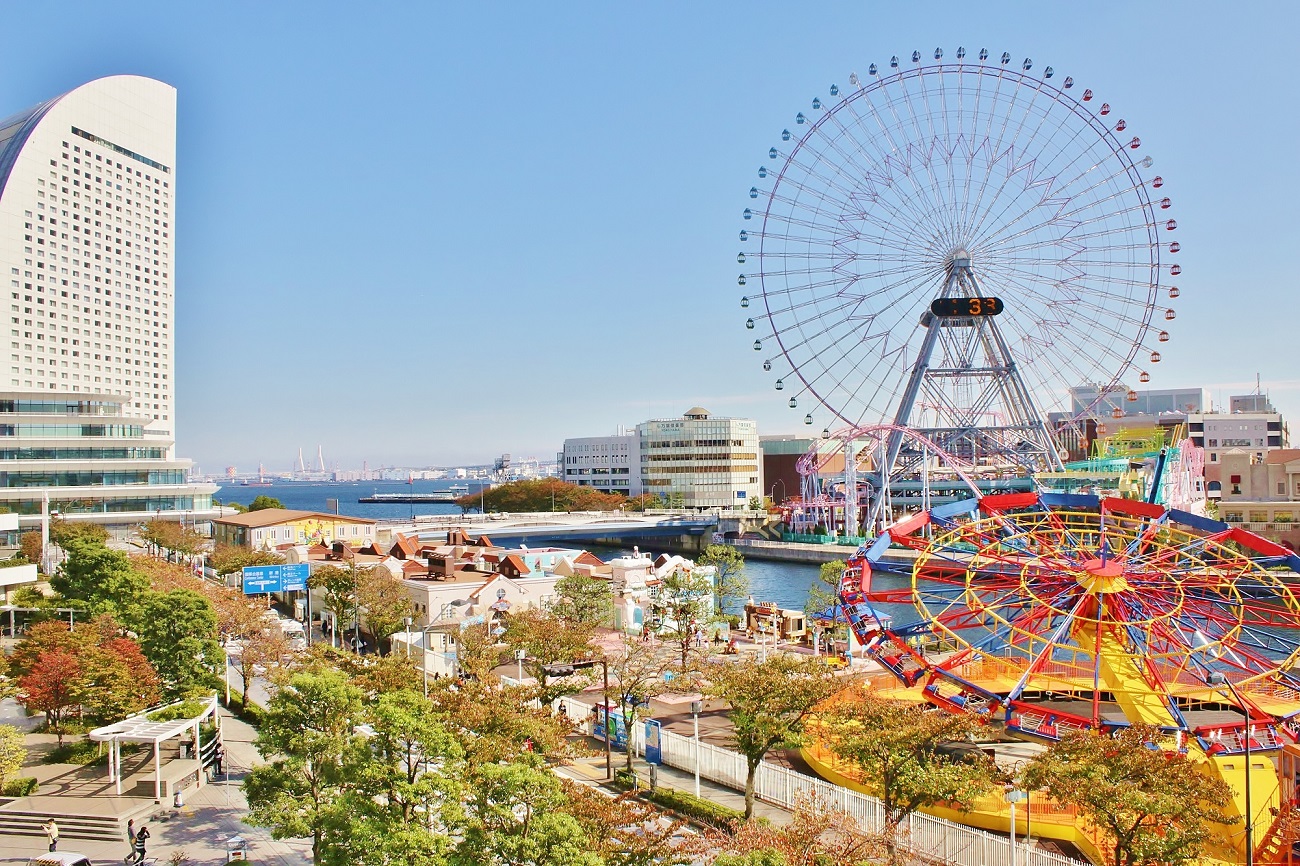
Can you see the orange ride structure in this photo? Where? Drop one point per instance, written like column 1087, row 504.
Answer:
column 1071, row 612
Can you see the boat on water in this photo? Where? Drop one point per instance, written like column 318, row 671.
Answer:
column 451, row 494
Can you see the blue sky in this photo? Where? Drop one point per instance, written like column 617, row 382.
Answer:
column 421, row 234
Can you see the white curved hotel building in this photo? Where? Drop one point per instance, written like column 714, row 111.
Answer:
column 87, row 245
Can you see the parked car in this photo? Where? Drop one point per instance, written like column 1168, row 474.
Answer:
column 60, row 858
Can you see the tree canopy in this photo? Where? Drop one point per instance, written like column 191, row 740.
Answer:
column 542, row 494
column 771, row 702
column 1154, row 803
column 895, row 747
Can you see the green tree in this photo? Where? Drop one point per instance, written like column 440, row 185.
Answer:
column 825, row 593
column 895, row 747
column 515, row 814
column 755, row 503
column 583, row 600
column 771, row 702
column 306, row 733
column 67, row 532
column 103, row 579
column 339, row 586
column 1155, row 804
column 179, row 638
column 730, row 585
column 685, row 607
column 407, row 768
column 262, row 502
column 13, row 751
column 384, row 602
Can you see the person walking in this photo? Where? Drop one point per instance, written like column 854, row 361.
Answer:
column 141, row 839
column 130, row 841
column 219, row 758
column 52, row 832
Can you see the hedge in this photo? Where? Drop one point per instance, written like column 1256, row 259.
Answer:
column 24, row 786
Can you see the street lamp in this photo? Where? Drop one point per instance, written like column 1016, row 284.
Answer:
column 696, row 707
column 1013, row 797
column 1216, row 679
column 772, row 492
column 564, row 669
column 424, row 637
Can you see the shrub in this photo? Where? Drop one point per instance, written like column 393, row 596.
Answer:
column 688, row 805
column 24, row 786
column 697, row 808
column 82, row 752
column 187, row 709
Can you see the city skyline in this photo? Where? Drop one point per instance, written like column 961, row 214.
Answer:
column 523, row 224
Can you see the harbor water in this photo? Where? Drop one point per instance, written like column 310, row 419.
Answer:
column 785, row 583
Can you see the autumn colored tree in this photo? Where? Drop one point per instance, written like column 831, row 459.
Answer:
column 547, row 639
column 771, row 701
column 1154, row 803
column 384, row 602
column 29, row 544
column 117, row 680
column 493, row 721
column 895, row 748
column 260, row 653
column 477, row 653
column 43, row 637
column 228, row 559
column 815, row 835
column 541, row 494
column 626, row 831
column 53, row 686
column 638, row 668
column 68, row 532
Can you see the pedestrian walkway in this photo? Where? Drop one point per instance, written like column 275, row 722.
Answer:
column 592, row 771
column 200, row 828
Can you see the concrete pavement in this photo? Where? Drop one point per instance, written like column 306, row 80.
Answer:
column 200, row 828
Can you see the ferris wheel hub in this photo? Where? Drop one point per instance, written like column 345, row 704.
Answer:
column 1102, row 576
column 958, row 259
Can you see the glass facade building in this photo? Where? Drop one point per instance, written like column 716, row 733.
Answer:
column 87, row 240
column 699, row 461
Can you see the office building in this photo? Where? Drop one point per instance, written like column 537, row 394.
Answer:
column 610, row 464
column 699, row 461
column 87, row 232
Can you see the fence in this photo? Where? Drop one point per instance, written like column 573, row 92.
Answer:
column 924, row 835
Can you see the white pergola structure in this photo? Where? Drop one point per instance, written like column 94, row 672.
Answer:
column 140, row 729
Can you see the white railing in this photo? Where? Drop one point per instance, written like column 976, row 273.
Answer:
column 924, row 835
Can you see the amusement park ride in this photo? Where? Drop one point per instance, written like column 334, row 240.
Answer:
column 940, row 250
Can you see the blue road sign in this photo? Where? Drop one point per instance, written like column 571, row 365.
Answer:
column 259, row 579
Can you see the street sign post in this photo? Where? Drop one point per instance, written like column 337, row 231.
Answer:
column 261, row 579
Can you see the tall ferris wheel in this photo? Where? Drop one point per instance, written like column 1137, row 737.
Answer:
column 950, row 246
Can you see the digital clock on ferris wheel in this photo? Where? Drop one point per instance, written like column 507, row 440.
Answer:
column 959, row 307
